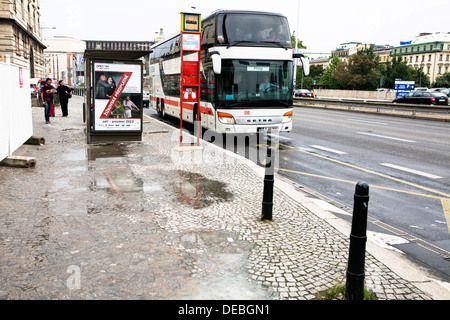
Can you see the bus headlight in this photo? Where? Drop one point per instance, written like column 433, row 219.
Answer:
column 226, row 118
column 287, row 117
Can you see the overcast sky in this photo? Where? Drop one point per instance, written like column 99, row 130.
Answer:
column 323, row 25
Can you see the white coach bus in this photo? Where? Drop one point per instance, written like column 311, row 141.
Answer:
column 246, row 73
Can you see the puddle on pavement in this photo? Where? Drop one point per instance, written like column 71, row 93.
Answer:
column 107, row 152
column 219, row 267
column 195, row 190
column 117, row 178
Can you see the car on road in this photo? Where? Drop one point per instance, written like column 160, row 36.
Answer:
column 303, row 93
column 441, row 90
column 384, row 90
column 423, row 97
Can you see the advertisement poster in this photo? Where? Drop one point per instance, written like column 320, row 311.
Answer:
column 117, row 97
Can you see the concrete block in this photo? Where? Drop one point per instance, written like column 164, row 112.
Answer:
column 35, row 141
column 18, row 162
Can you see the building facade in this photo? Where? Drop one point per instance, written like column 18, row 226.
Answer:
column 20, row 35
column 428, row 52
column 64, row 60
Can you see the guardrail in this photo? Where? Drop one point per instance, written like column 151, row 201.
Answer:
column 414, row 109
column 79, row 91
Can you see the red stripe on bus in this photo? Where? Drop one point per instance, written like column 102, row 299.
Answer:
column 188, row 106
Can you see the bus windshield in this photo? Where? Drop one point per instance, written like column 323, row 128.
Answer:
column 257, row 29
column 247, row 83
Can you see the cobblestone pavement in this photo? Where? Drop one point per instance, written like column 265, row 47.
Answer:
column 144, row 221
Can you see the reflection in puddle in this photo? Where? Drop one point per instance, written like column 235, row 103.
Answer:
column 116, row 151
column 120, row 181
column 195, row 190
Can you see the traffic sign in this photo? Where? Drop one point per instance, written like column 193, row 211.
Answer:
column 405, row 85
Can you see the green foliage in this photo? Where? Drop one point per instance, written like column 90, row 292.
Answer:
column 300, row 42
column 397, row 68
column 328, row 74
column 360, row 72
column 337, row 292
column 442, row 81
column 315, row 74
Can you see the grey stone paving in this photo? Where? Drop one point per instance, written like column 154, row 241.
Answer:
column 138, row 221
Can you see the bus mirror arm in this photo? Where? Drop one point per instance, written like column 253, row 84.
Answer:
column 217, row 62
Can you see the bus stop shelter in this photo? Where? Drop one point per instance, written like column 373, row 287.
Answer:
column 113, row 100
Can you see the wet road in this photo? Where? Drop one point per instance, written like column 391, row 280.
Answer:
column 404, row 161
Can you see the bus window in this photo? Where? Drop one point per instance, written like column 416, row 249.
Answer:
column 260, row 28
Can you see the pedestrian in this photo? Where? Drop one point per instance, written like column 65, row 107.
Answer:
column 64, row 94
column 47, row 92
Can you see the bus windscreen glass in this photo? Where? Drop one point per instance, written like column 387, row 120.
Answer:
column 258, row 29
column 247, row 83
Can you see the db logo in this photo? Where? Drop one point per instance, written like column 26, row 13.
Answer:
column 246, row 113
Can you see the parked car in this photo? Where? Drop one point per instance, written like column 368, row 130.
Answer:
column 445, row 91
column 423, row 97
column 146, row 99
column 303, row 93
column 384, row 90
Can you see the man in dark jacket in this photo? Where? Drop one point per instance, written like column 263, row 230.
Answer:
column 63, row 92
column 47, row 92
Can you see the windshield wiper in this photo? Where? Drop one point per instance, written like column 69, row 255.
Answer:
column 277, row 43
column 241, row 41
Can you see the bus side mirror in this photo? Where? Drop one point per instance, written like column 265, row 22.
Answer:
column 217, row 63
column 305, row 62
column 305, row 65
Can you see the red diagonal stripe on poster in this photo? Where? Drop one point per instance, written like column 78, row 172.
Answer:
column 116, row 95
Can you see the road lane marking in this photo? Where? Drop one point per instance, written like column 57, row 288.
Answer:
column 446, row 206
column 329, row 207
column 370, row 171
column 420, row 173
column 371, row 122
column 328, row 149
column 385, row 137
column 354, row 183
column 444, row 201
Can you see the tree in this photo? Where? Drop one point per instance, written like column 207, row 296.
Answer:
column 315, row 74
column 397, row 68
column 442, row 81
column 328, row 74
column 300, row 42
column 360, row 72
column 419, row 77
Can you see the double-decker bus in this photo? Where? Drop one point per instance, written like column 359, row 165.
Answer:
column 246, row 73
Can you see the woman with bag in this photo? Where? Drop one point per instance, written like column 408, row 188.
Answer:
column 64, row 94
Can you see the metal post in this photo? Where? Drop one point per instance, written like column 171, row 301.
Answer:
column 354, row 288
column 267, row 204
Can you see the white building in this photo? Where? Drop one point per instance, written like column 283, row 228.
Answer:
column 64, row 59
column 429, row 52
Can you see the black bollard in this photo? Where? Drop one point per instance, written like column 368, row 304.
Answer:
column 267, row 204
column 354, row 288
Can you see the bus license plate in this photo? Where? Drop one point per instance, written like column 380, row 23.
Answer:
column 265, row 128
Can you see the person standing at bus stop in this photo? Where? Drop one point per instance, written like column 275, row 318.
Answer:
column 63, row 92
column 47, row 92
